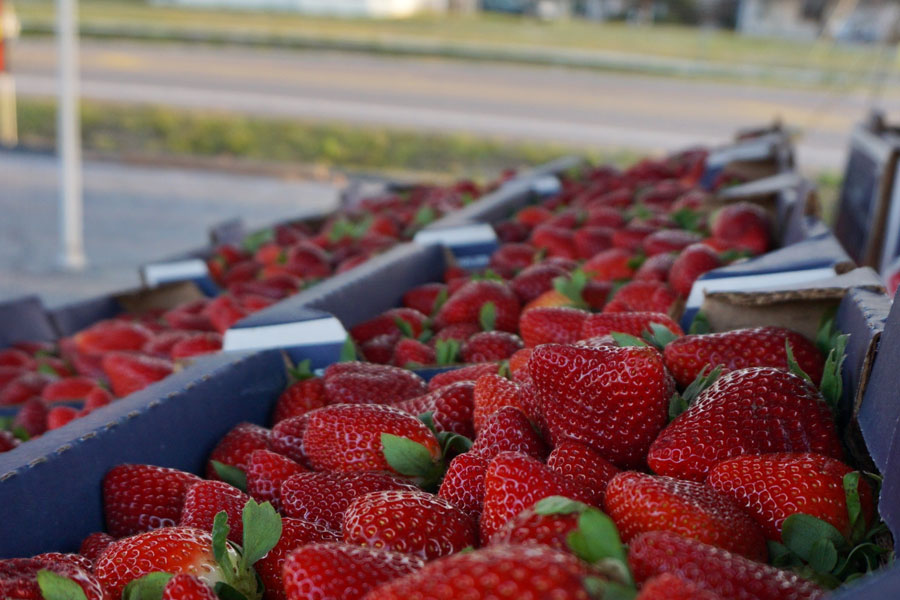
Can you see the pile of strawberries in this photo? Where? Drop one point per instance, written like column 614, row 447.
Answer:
column 116, row 357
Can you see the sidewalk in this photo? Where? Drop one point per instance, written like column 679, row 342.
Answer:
column 133, row 214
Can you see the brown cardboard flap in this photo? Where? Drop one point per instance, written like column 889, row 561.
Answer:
column 164, row 297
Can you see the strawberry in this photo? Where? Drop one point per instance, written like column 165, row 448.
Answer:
column 196, row 344
column 633, row 323
column 743, row 226
column 514, row 482
column 554, row 240
column 107, row 336
column 508, row 430
column 466, row 305
column 138, row 498
column 694, row 261
column 60, row 416
column 758, row 410
column 68, row 389
column 236, row 447
column 637, row 503
column 307, row 260
column 187, row 587
column 669, row 240
column 771, row 487
column 412, row 522
column 451, row 407
column 535, row 280
column 642, row 296
column 611, row 265
column 533, row 527
column 97, row 398
column 671, row 587
column 739, row 349
column 410, row 352
column 518, row 364
column 534, row 215
column 32, row 417
column 614, row 400
column 549, row 325
column 295, row 533
column 584, row 465
column 12, row 357
column 424, row 297
column 493, row 392
column 604, row 216
column 22, row 387
column 342, row 571
column 266, row 472
column 161, row 344
column 130, row 372
column 655, row 268
column 205, row 499
column 364, row 383
column 76, row 560
column 299, row 398
column 591, row 240
column 631, row 237
column 463, row 484
column 224, row 311
column 395, row 320
column 490, row 346
column 19, row 578
column 494, row 572
column 324, row 497
column 458, row 331
column 467, row 373
column 190, row 316
column 713, row 569
column 93, row 545
column 380, row 349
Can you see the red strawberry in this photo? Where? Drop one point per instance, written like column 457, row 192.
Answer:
column 413, row 522
column 23, row 387
column 161, row 344
column 18, row 578
column 669, row 240
column 364, row 383
column 11, row 357
column 342, row 571
column 632, row 323
column 463, row 484
column 772, row 487
column 423, row 297
column 631, row 237
column 139, row 498
column 130, row 372
column 591, row 240
column 518, row 364
column 672, row 587
column 604, row 216
column 533, row 215
column 32, row 417
column 196, row 344
column 93, row 545
column 642, row 296
column 694, row 261
column 465, row 306
column 637, row 503
column 188, row 316
column 386, row 322
column 76, row 560
column 413, row 352
column 529, row 527
column 509, row 232
column 467, row 373
column 548, row 325
column 535, row 280
column 68, row 389
column 235, row 448
column 655, row 268
column 554, row 240
column 508, row 430
column 205, row 499
column 512, row 257
column 514, row 482
column 493, row 392
column 451, row 407
column 187, row 587
column 224, row 311
column 97, row 398
column 490, row 346
column 511, row 571
column 739, row 349
column 713, row 569
column 295, row 533
column 611, row 265
column 324, row 497
column 60, row 416
column 299, row 398
column 743, row 226
column 458, row 331
column 307, row 260
column 106, row 336
column 380, row 349
column 615, row 400
column 752, row 411
column 266, row 473
column 584, row 465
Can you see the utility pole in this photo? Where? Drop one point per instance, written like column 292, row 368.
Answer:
column 68, row 140
column 9, row 30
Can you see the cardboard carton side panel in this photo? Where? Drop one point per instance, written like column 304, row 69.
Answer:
column 880, row 409
column 25, row 319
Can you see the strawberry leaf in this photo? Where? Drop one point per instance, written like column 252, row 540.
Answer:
column 19, row 433
column 428, row 419
column 446, row 351
column 700, row 325
column 231, row 475
column 425, row 216
column 572, row 287
column 781, row 556
column 854, row 506
column 503, row 370
column 348, row 351
column 823, row 556
column 453, row 443
column 220, row 532
column 227, row 592
column 487, row 316
column 255, row 241
column 832, row 384
column 148, row 587
column 598, row 587
column 47, row 369
column 733, row 254
column 409, row 458
column 813, row 540
column 624, row 339
column 702, row 381
column 426, row 335
column 634, row 263
column 262, row 530
column 677, row 405
column 57, row 587
column 793, row 366
column 404, row 327
column 439, row 301
column 302, row 371
column 596, row 540
column 687, row 219
column 827, row 332
column 559, row 505
column 659, row 335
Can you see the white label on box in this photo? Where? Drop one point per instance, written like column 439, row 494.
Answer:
column 286, row 335
column 762, row 281
column 464, row 235
column 182, row 270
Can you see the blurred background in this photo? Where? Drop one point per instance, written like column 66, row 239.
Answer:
column 196, row 111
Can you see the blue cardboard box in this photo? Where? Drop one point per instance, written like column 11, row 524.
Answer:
column 763, row 155
column 25, row 319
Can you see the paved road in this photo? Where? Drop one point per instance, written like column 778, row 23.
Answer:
column 132, row 215
column 594, row 109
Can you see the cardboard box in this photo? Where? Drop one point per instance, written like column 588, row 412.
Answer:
column 753, row 157
column 25, row 319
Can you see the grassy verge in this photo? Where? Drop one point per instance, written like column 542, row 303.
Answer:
column 485, row 31
column 148, row 132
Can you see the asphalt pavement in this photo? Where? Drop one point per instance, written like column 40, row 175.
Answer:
column 132, row 215
column 587, row 108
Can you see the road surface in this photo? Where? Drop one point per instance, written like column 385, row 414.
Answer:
column 593, row 109
column 132, row 215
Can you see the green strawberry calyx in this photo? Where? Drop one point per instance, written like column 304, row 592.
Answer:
column 446, row 351
column 231, row 475
column 148, row 587
column 681, row 402
column 659, row 335
column 487, row 316
column 411, row 459
column 262, row 530
column 572, row 287
column 301, row 372
column 56, row 587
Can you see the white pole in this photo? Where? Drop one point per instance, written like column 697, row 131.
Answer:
column 68, row 141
